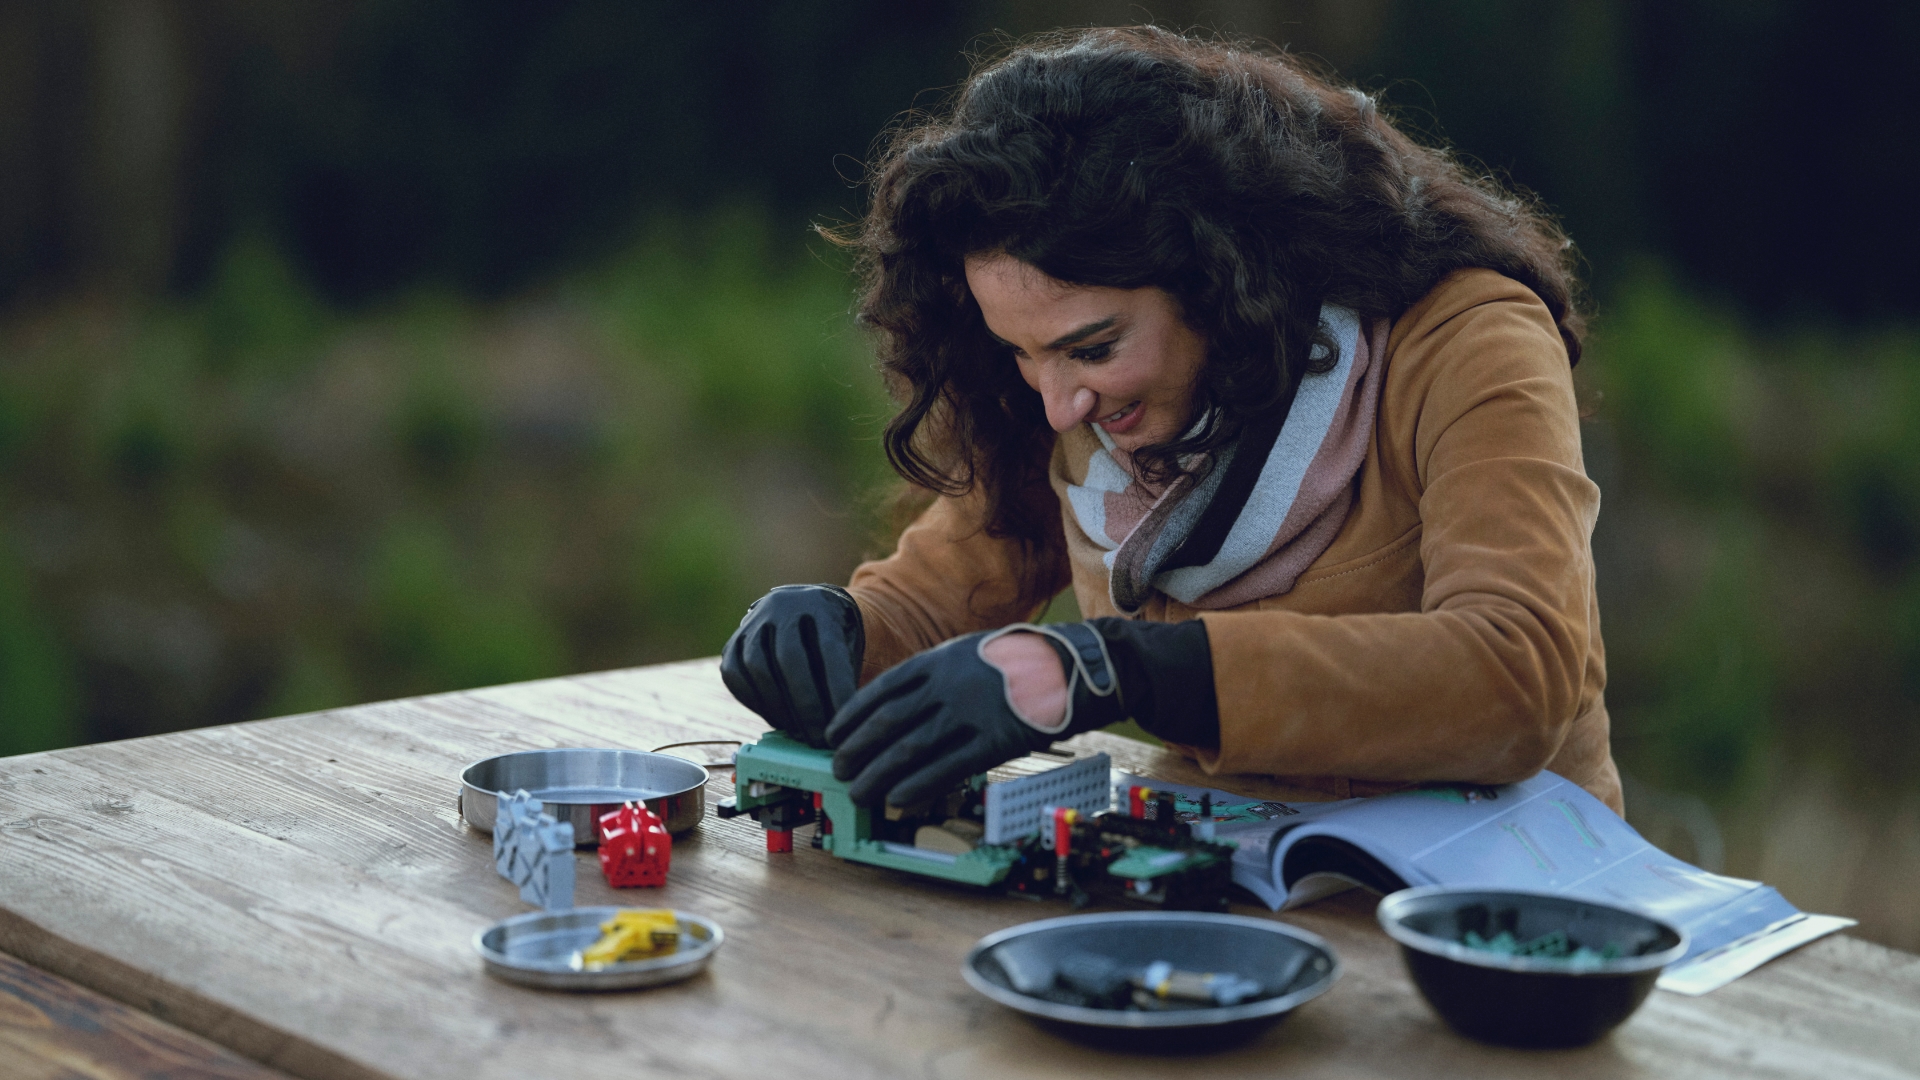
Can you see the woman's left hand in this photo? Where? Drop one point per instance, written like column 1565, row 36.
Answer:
column 933, row 720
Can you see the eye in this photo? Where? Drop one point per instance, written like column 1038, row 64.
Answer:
column 1092, row 354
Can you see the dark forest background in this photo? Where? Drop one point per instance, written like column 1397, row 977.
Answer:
column 380, row 347
column 1761, row 148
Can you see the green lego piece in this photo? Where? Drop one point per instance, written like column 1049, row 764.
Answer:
column 1147, row 861
column 782, row 763
column 785, row 762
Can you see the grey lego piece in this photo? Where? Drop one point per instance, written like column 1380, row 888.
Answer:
column 511, row 811
column 550, row 884
column 533, row 851
column 1016, row 809
column 1027, row 969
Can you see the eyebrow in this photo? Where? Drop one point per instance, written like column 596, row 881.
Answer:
column 1081, row 334
column 1069, row 338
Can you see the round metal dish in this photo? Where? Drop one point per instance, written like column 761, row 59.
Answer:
column 1260, row 949
column 579, row 785
column 535, row 949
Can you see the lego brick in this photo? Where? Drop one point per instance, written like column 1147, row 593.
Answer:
column 635, row 849
column 533, row 851
column 1014, row 807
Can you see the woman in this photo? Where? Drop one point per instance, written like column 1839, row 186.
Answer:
column 1283, row 395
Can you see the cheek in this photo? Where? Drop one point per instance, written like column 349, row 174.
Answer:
column 1181, row 361
column 1146, row 379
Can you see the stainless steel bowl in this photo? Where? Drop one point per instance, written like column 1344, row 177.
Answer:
column 579, row 785
column 536, row 949
column 1261, row 949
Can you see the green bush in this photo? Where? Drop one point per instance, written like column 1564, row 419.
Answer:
column 1675, row 387
column 37, row 685
column 1713, row 718
column 1765, row 514
column 425, row 496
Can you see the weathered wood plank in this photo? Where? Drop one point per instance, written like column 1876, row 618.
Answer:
column 301, row 890
column 51, row 1029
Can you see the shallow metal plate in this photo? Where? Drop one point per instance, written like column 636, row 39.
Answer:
column 578, row 785
column 1194, row 941
column 535, row 949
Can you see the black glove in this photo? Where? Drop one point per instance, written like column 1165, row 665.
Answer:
column 939, row 717
column 796, row 658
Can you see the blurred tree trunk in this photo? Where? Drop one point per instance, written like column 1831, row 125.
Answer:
column 127, row 212
column 96, row 104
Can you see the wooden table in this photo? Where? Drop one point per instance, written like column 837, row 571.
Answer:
column 302, row 892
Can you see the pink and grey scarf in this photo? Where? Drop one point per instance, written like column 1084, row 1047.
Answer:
column 1270, row 505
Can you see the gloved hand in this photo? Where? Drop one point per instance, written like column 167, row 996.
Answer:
column 796, row 658
column 939, row 717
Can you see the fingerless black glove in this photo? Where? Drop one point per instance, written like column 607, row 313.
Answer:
column 796, row 658
column 939, row 717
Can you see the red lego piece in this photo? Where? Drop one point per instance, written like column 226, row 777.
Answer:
column 779, row 839
column 634, row 847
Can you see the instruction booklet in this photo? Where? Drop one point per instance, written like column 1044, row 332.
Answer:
column 1544, row 835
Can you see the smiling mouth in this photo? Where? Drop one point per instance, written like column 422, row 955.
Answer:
column 1119, row 416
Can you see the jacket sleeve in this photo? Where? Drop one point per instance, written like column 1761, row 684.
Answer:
column 948, row 576
column 1483, row 682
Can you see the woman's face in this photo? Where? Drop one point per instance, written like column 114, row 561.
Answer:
column 1120, row 358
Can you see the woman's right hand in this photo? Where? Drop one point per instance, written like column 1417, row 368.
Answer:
column 796, row 658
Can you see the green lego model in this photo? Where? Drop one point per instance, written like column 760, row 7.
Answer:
column 987, row 834
column 783, row 782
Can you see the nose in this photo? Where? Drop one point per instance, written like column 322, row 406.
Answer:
column 1068, row 403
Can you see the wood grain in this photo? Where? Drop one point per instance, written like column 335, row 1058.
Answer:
column 302, row 891
column 51, row 1029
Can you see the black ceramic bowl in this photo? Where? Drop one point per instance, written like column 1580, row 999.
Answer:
column 1295, row 967
column 1527, row 1000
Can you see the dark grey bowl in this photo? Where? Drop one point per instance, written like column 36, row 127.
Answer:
column 1263, row 949
column 1523, row 1000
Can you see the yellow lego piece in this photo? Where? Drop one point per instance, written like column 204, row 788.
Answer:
column 632, row 934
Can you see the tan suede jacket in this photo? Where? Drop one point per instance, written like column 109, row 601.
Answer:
column 1451, row 632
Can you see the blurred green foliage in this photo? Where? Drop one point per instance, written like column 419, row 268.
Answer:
column 1759, row 545
column 248, row 503
column 37, row 689
column 439, row 624
column 1674, row 390
column 1713, row 714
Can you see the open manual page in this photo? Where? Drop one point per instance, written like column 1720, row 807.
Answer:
column 1543, row 835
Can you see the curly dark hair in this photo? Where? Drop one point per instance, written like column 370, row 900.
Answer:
column 1249, row 188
